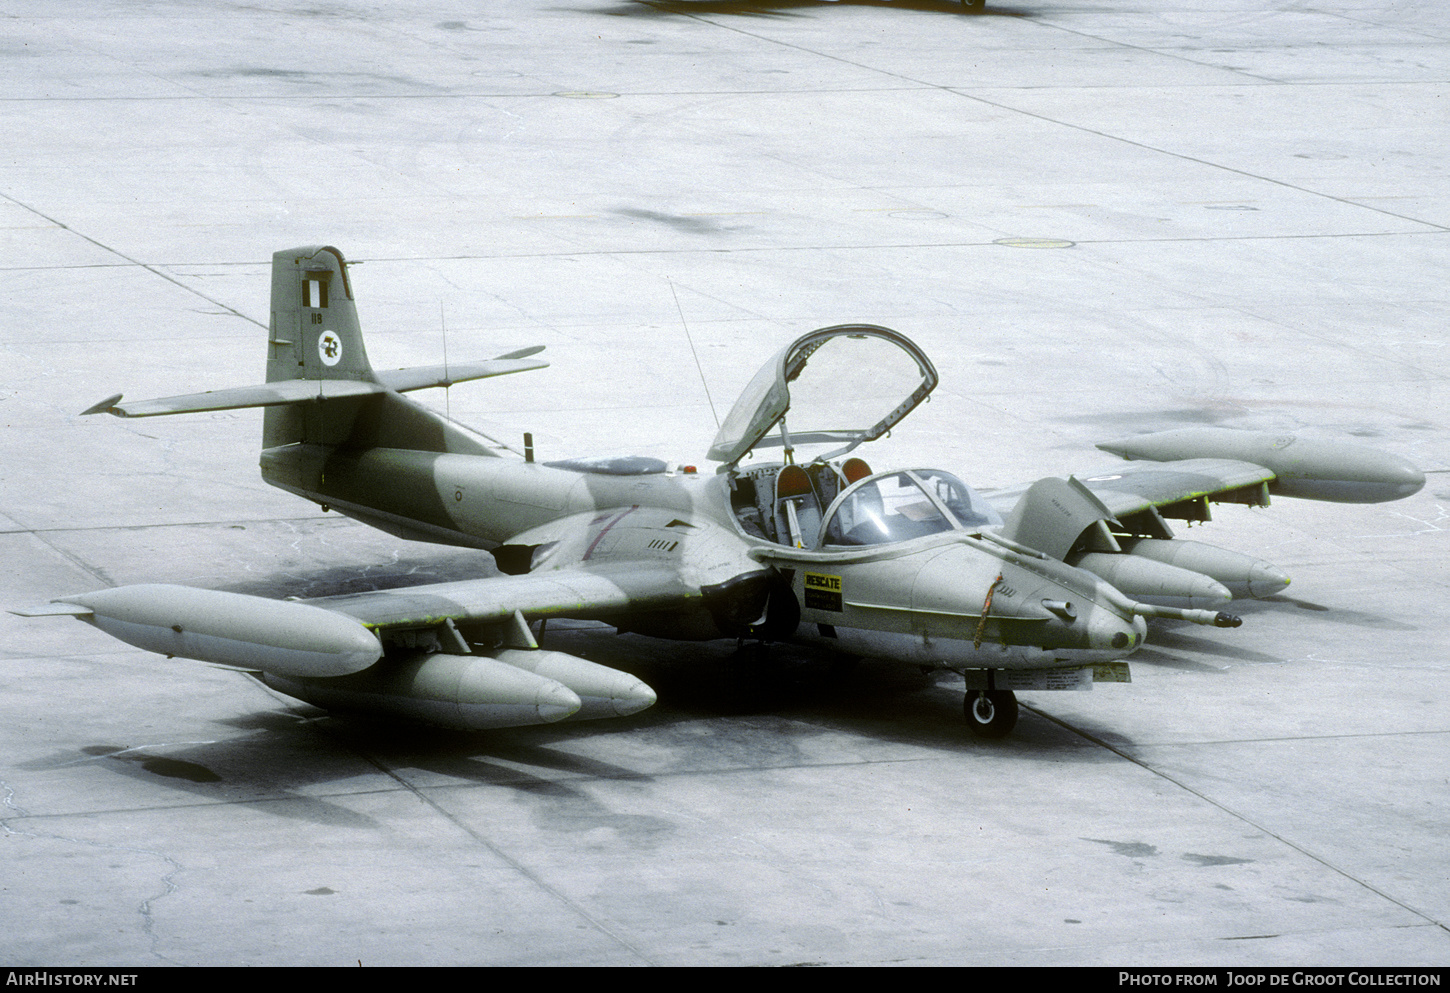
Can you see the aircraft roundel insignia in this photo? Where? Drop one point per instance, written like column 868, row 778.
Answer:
column 329, row 348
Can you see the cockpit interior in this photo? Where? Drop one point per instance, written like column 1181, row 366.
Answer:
column 842, row 505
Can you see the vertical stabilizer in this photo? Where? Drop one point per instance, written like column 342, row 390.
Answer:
column 315, row 331
column 314, row 335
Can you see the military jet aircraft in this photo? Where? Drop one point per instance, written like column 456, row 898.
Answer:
column 1048, row 586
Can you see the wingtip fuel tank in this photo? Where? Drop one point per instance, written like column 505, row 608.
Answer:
column 232, row 629
column 1314, row 469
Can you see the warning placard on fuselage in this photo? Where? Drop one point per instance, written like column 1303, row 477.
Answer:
column 823, row 592
column 1063, row 678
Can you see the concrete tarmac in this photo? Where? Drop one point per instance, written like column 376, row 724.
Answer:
column 1097, row 217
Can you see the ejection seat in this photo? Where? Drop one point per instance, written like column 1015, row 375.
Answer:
column 853, row 469
column 800, row 501
column 797, row 510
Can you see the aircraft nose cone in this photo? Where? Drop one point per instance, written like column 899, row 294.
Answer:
column 1266, row 580
column 1109, row 632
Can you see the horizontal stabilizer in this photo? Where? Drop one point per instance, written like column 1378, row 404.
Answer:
column 290, row 391
column 403, row 380
column 267, row 395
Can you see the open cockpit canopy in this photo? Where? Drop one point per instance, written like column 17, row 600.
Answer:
column 840, row 386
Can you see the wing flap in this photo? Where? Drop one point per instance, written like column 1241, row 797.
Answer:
column 1135, row 487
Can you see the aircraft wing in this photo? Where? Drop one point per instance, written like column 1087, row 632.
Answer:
column 1177, row 474
column 1130, row 488
column 593, row 593
column 341, row 635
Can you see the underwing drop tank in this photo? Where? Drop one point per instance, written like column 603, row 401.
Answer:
column 1242, row 575
column 509, row 688
column 1183, row 573
column 1148, row 581
column 602, row 691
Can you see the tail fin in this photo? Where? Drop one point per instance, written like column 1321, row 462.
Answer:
column 314, row 335
column 315, row 332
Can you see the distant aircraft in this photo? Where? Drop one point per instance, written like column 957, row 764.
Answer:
column 969, row 4
column 1048, row 586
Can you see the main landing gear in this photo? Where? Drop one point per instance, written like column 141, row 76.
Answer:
column 990, row 713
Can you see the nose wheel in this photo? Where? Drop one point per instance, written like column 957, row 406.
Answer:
column 990, row 713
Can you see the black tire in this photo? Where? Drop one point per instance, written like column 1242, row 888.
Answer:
column 990, row 713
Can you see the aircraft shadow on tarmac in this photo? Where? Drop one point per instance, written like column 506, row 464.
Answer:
column 720, row 709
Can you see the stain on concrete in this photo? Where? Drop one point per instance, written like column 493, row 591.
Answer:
column 1131, row 849
column 689, row 225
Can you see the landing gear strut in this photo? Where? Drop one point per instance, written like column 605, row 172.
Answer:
column 990, row 713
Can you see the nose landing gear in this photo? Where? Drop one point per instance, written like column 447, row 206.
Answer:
column 990, row 713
